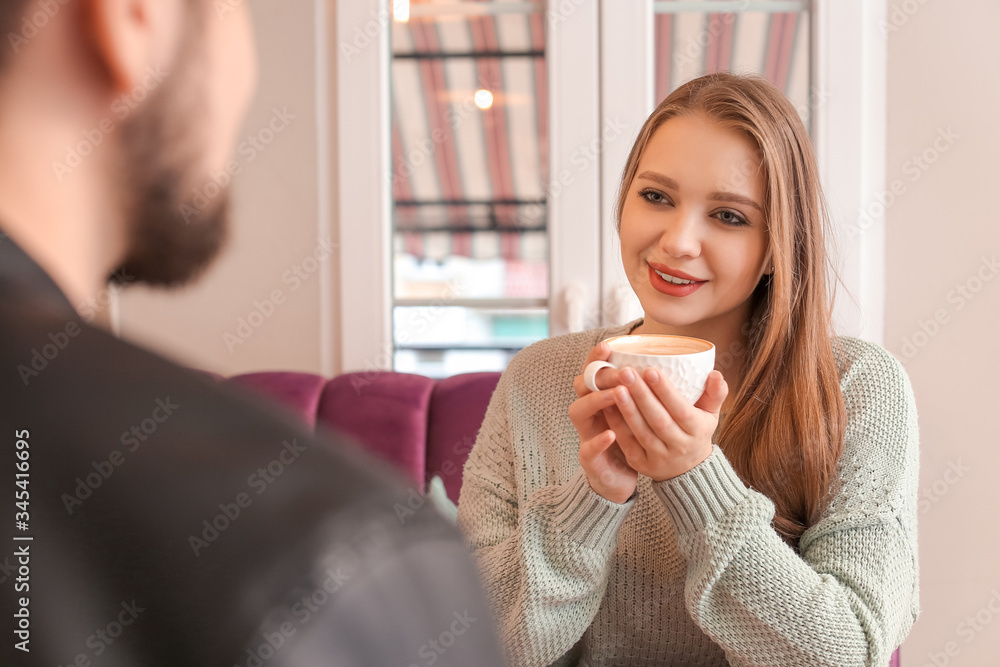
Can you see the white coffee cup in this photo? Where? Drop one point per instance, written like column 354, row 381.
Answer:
column 685, row 361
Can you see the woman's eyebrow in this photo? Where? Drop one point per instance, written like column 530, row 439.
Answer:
column 733, row 197
column 668, row 182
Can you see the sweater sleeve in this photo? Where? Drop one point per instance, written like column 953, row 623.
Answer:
column 850, row 595
column 545, row 561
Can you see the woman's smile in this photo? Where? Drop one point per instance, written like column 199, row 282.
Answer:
column 670, row 285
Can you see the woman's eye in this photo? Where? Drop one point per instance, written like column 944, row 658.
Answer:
column 732, row 218
column 653, row 197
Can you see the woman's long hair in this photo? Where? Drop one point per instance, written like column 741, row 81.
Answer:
column 785, row 430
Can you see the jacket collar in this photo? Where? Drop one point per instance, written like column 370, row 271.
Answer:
column 21, row 275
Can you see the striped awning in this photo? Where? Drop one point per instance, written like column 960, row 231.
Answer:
column 475, row 176
column 775, row 45
column 471, row 182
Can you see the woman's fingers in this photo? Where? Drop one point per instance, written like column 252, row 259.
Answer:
column 716, row 390
column 606, row 378
column 599, row 352
column 649, row 422
column 591, row 448
column 630, row 448
column 607, row 471
column 583, row 409
column 664, row 407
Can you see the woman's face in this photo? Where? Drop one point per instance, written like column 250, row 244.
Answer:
column 696, row 206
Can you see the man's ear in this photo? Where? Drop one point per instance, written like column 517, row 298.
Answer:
column 129, row 36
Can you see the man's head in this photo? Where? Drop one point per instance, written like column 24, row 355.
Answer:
column 157, row 90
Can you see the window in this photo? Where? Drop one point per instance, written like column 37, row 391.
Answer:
column 474, row 231
column 469, row 139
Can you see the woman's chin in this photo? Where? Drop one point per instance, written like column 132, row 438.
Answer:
column 673, row 315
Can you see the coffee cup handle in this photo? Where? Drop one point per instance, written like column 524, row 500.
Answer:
column 590, row 373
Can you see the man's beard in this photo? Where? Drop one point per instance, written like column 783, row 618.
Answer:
column 171, row 241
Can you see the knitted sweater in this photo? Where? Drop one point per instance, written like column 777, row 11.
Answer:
column 689, row 571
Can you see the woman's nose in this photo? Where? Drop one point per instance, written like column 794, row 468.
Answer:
column 681, row 235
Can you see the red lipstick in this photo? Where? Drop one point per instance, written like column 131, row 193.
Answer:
column 668, row 288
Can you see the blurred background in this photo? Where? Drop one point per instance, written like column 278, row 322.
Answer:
column 440, row 194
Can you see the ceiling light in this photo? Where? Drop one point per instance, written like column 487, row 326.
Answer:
column 484, row 98
column 401, row 10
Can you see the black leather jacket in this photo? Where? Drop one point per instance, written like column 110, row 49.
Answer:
column 152, row 518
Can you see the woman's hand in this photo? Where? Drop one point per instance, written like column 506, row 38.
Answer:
column 660, row 433
column 600, row 457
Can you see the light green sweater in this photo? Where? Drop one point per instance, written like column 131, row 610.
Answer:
column 689, row 571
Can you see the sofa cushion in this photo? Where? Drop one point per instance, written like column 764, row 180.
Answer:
column 457, row 408
column 299, row 392
column 387, row 413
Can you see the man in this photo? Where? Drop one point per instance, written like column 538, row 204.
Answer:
column 149, row 516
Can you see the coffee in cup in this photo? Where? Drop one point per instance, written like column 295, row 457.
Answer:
column 685, row 361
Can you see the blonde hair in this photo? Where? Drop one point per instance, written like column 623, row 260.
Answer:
column 785, row 431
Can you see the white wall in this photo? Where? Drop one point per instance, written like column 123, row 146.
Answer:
column 943, row 73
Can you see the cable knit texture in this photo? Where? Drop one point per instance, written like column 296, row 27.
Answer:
column 689, row 571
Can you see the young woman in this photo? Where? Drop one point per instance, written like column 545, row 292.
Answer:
column 773, row 522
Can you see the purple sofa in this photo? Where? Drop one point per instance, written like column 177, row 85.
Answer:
column 423, row 427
